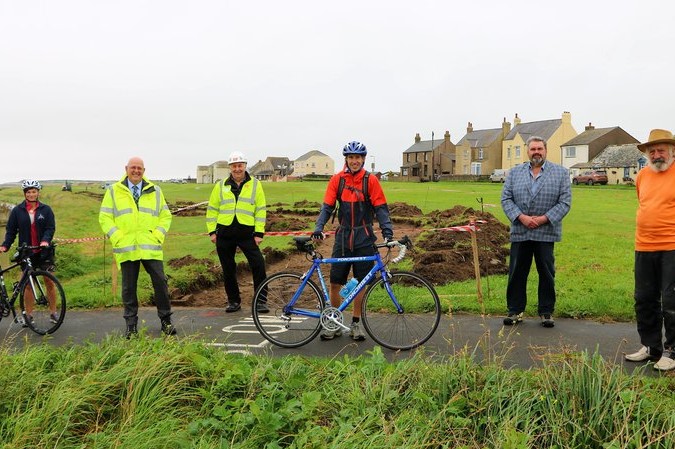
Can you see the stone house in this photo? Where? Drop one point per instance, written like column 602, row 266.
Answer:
column 272, row 169
column 428, row 160
column 621, row 162
column 313, row 163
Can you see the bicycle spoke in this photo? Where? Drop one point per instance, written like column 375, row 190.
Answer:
column 288, row 330
column 409, row 327
column 43, row 302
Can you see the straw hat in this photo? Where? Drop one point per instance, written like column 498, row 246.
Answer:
column 657, row 136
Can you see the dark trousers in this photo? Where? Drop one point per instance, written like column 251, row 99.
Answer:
column 130, row 270
column 519, row 268
column 226, row 248
column 655, row 299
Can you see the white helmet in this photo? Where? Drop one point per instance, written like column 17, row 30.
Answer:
column 30, row 184
column 236, row 157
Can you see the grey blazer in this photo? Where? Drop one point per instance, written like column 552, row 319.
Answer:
column 552, row 198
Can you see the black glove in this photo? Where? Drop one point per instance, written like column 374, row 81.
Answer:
column 388, row 238
column 317, row 235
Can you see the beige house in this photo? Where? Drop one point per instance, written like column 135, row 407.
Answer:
column 313, row 163
column 555, row 132
column 209, row 174
column 428, row 160
column 479, row 152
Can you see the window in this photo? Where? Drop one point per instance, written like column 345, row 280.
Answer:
column 476, row 168
column 517, row 151
column 313, row 165
column 481, row 154
column 508, row 153
column 407, row 157
column 570, row 151
column 426, row 157
column 404, row 171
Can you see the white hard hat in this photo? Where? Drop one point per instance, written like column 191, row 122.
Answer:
column 236, row 157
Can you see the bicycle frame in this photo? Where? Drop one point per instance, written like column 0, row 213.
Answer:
column 25, row 272
column 379, row 267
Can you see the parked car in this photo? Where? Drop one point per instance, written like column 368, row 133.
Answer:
column 498, row 175
column 591, row 177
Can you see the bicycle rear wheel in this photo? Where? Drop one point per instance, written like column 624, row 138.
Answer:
column 410, row 327
column 281, row 325
column 43, row 302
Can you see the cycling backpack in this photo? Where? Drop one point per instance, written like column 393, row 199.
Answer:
column 341, row 187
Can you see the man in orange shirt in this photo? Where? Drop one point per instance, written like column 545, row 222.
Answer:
column 655, row 253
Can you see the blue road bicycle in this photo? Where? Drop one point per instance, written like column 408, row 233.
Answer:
column 400, row 310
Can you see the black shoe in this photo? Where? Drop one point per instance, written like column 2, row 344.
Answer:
column 513, row 318
column 261, row 307
column 547, row 320
column 168, row 328
column 131, row 331
column 232, row 308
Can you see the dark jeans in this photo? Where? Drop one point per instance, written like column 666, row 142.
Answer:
column 155, row 268
column 655, row 299
column 519, row 269
column 226, row 248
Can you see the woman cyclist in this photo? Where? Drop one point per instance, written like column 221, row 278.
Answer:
column 34, row 222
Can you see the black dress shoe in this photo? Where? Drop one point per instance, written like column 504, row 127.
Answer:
column 261, row 307
column 131, row 331
column 168, row 328
column 232, row 308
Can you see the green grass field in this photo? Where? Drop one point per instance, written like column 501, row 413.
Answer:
column 594, row 260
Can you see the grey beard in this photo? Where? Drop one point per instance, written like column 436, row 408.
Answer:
column 660, row 164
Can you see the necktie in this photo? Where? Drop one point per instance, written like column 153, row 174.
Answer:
column 136, row 194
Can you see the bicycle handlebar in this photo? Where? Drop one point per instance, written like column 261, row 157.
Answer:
column 403, row 244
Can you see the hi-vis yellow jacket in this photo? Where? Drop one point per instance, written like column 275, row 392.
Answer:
column 136, row 232
column 250, row 209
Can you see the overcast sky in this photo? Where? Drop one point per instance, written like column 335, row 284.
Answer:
column 86, row 84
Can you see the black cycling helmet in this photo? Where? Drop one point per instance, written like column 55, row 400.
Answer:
column 354, row 148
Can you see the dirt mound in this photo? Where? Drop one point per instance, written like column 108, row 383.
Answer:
column 404, row 210
column 305, row 203
column 188, row 209
column 438, row 254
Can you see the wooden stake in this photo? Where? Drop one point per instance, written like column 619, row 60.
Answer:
column 476, row 265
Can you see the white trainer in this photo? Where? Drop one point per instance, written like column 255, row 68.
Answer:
column 639, row 356
column 665, row 363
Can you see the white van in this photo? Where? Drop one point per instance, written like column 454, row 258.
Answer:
column 498, row 175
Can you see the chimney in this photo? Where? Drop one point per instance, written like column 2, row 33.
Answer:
column 469, row 128
column 417, row 138
column 516, row 120
column 566, row 117
column 446, row 137
column 506, row 127
column 589, row 127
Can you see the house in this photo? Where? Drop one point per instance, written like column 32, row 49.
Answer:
column 479, row 152
column 272, row 169
column 590, row 143
column 621, row 162
column 313, row 163
column 555, row 132
column 428, row 159
column 209, row 174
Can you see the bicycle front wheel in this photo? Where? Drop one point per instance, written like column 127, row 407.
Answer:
column 43, row 302
column 285, row 324
column 407, row 325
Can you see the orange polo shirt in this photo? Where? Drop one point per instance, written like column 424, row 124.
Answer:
column 655, row 221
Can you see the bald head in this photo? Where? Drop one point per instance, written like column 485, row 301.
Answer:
column 135, row 169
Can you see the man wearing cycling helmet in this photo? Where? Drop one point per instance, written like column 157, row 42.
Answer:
column 34, row 222
column 359, row 201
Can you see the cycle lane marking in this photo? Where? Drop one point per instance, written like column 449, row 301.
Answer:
column 247, row 326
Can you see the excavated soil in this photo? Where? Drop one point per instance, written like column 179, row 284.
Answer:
column 440, row 254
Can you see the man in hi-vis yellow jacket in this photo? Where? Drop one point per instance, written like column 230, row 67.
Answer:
column 136, row 219
column 236, row 218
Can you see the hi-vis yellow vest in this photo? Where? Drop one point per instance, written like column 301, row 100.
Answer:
column 250, row 209
column 136, row 232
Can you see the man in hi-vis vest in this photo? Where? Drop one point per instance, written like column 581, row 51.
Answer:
column 236, row 218
column 136, row 219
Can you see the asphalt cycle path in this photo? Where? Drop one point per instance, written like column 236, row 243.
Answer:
column 524, row 346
